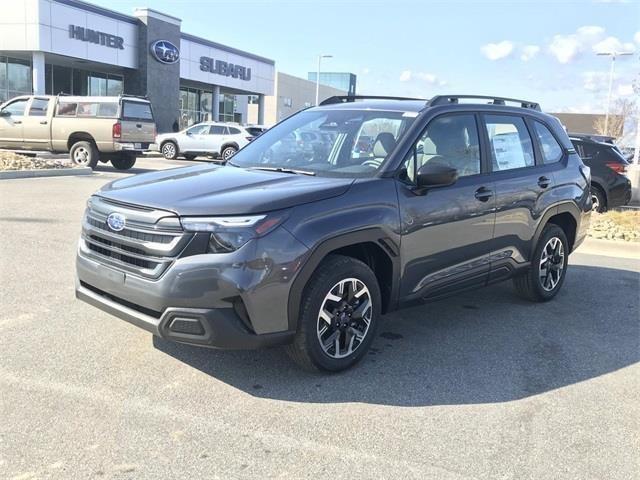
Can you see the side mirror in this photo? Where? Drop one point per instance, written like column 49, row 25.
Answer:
column 5, row 113
column 188, row 133
column 434, row 175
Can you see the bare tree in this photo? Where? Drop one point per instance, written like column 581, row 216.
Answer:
column 621, row 110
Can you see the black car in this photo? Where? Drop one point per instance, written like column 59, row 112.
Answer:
column 610, row 187
column 309, row 247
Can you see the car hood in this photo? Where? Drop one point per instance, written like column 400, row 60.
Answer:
column 222, row 190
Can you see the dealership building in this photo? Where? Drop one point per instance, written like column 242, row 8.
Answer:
column 74, row 47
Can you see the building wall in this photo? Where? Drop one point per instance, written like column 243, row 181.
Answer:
column 583, row 122
column 292, row 94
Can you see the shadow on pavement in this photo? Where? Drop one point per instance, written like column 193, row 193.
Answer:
column 478, row 347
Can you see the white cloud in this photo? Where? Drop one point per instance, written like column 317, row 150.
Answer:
column 405, row 76
column 625, row 90
column 612, row 44
column 365, row 71
column 497, row 51
column 636, row 38
column 528, row 52
column 595, row 81
column 566, row 48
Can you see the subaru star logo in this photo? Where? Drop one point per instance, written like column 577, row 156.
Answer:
column 116, row 222
column 165, row 52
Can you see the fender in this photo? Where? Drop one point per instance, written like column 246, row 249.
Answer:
column 371, row 235
column 556, row 209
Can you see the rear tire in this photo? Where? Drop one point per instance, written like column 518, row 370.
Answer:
column 169, row 150
column 228, row 152
column 339, row 315
column 598, row 200
column 123, row 163
column 84, row 154
column 548, row 269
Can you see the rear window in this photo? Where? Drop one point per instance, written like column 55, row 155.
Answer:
column 136, row 111
column 255, row 131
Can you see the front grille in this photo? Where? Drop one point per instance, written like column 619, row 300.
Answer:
column 149, row 243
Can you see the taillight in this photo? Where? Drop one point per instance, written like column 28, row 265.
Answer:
column 116, row 130
column 617, row 167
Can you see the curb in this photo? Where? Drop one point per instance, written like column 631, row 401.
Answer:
column 610, row 248
column 45, row 172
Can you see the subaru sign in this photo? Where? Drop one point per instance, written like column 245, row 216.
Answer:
column 116, row 222
column 165, row 52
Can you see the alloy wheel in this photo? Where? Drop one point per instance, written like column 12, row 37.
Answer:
column 168, row 150
column 228, row 153
column 551, row 264
column 595, row 202
column 344, row 318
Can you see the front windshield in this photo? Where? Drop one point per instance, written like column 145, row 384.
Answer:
column 350, row 143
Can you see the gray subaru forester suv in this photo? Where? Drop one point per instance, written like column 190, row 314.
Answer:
column 392, row 201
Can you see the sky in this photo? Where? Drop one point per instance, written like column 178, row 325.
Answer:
column 542, row 51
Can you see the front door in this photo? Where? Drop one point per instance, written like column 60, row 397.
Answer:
column 11, row 117
column 194, row 138
column 447, row 232
column 35, row 125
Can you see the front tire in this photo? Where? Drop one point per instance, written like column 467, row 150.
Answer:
column 123, row 163
column 548, row 269
column 169, row 150
column 84, row 154
column 339, row 315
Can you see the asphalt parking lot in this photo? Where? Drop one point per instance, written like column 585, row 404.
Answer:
column 482, row 385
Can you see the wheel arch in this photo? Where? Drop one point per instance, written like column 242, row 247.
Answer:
column 598, row 185
column 172, row 140
column 564, row 215
column 76, row 137
column 229, row 144
column 372, row 246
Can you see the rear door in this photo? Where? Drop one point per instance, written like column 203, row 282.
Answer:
column 138, row 125
column 524, row 179
column 11, row 118
column 447, row 231
column 214, row 139
column 35, row 124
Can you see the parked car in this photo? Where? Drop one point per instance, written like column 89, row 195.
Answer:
column 206, row 138
column 256, row 130
column 91, row 129
column 310, row 252
column 610, row 187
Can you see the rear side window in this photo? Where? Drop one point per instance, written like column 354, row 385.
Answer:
column 67, row 109
column 39, row 107
column 233, row 131
column 137, row 111
column 551, row 149
column 510, row 142
column 217, row 130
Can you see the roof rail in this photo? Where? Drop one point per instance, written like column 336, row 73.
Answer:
column 353, row 98
column 448, row 99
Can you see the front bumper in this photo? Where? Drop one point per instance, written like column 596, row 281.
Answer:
column 236, row 300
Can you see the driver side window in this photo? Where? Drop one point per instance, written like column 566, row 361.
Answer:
column 16, row 109
column 449, row 140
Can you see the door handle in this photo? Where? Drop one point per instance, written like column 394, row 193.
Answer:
column 17, row 122
column 44, row 122
column 543, row 182
column 483, row 194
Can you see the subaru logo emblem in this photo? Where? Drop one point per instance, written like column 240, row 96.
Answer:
column 165, row 52
column 116, row 222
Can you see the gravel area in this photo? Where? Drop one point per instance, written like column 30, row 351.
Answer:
column 616, row 226
column 15, row 161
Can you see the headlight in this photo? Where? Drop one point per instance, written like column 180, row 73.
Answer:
column 230, row 233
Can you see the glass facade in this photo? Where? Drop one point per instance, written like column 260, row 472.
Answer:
column 81, row 82
column 196, row 106
column 15, row 78
column 340, row 80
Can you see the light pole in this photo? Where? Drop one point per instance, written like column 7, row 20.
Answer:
column 613, row 56
column 320, row 57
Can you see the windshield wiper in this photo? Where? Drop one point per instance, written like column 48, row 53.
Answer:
column 284, row 170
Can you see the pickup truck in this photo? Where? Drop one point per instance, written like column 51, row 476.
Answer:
column 90, row 129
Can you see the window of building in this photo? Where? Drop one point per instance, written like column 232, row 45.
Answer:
column 287, row 102
column 511, row 145
column 15, row 78
column 39, row 107
column 252, row 99
column 551, row 150
column 449, row 140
